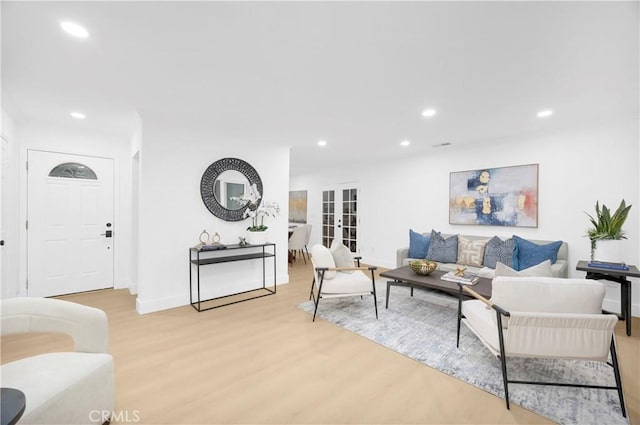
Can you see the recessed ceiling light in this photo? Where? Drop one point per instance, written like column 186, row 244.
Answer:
column 78, row 115
column 74, row 29
column 545, row 113
column 428, row 113
column 322, row 143
column 405, row 143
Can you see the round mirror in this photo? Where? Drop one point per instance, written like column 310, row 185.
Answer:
column 224, row 180
column 228, row 186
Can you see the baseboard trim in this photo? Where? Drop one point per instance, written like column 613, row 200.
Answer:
column 158, row 304
column 614, row 307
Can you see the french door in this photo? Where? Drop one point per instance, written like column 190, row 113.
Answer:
column 340, row 216
column 69, row 223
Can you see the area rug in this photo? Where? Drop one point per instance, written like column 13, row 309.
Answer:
column 423, row 327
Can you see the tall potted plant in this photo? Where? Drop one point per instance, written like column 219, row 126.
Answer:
column 606, row 233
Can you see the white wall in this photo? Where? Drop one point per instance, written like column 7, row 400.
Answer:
column 576, row 169
column 9, row 284
column 93, row 144
column 172, row 216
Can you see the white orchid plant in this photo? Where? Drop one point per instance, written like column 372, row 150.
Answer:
column 255, row 210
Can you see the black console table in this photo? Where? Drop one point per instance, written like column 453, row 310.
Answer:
column 199, row 258
column 619, row 276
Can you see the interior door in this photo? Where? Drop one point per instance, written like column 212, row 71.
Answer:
column 70, row 227
column 4, row 170
column 340, row 216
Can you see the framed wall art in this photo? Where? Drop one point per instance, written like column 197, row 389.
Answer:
column 298, row 206
column 506, row 196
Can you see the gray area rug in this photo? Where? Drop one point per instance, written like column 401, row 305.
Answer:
column 423, row 327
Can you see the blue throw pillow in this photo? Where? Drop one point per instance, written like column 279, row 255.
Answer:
column 441, row 249
column 528, row 254
column 498, row 250
column 418, row 244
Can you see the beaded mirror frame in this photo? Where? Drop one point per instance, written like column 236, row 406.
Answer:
column 207, row 184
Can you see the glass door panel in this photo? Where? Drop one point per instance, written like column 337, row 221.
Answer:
column 340, row 217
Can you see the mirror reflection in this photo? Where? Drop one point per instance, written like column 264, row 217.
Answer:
column 229, row 184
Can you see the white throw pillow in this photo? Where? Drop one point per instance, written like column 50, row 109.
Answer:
column 471, row 252
column 543, row 269
column 341, row 255
column 321, row 257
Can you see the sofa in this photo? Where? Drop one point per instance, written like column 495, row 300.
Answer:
column 480, row 254
column 61, row 387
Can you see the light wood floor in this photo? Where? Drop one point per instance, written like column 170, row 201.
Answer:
column 265, row 362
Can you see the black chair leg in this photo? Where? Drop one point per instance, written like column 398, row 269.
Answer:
column 375, row 299
column 459, row 316
column 503, row 359
column 616, row 372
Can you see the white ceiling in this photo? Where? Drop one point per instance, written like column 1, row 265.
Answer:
column 356, row 74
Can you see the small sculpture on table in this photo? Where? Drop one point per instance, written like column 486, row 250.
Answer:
column 460, row 271
column 243, row 241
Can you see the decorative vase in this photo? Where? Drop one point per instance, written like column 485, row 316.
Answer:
column 609, row 251
column 257, row 238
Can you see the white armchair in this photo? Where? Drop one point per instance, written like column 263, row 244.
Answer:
column 543, row 317
column 61, row 388
column 336, row 275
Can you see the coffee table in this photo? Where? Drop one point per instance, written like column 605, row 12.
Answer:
column 13, row 404
column 404, row 276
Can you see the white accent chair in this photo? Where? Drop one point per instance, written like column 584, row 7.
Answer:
column 298, row 240
column 543, row 317
column 307, row 240
column 341, row 280
column 61, row 388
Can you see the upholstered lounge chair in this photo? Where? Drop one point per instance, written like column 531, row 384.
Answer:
column 345, row 279
column 543, row 317
column 61, row 388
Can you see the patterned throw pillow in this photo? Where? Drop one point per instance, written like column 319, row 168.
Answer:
column 527, row 253
column 498, row 250
column 418, row 244
column 471, row 252
column 441, row 249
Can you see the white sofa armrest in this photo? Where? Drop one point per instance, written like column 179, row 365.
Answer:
column 401, row 255
column 87, row 326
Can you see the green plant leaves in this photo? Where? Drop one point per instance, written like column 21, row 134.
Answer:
column 607, row 225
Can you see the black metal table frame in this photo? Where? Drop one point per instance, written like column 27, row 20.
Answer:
column 198, row 262
column 618, row 276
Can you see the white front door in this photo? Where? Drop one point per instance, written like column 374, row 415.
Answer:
column 4, row 209
column 340, row 216
column 70, row 225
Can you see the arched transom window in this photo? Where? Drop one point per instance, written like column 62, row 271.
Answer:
column 73, row 170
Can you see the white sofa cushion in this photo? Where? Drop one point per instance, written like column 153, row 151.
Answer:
column 57, row 385
column 542, row 269
column 356, row 283
column 321, row 257
column 342, row 256
column 548, row 294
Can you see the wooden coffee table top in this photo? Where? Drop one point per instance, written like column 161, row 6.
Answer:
column 433, row 281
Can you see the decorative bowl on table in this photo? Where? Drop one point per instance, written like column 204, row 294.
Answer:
column 423, row 267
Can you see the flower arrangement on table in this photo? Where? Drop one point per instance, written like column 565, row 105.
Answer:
column 256, row 210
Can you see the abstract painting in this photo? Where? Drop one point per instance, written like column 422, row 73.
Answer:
column 506, row 196
column 298, row 206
